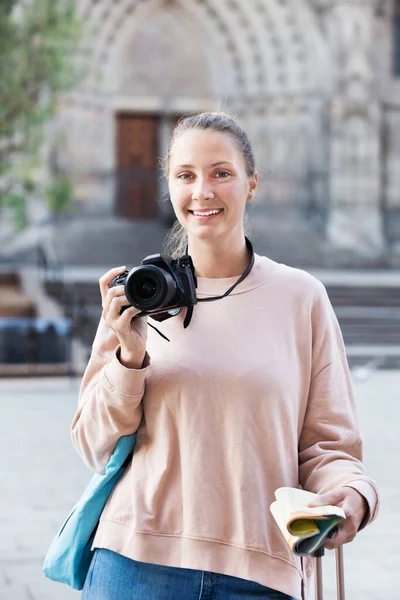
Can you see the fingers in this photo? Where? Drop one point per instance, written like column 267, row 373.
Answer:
column 124, row 321
column 106, row 278
column 332, row 498
column 131, row 337
column 330, row 542
column 347, row 531
column 353, row 509
column 115, row 299
column 129, row 314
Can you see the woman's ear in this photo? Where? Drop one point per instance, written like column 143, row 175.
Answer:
column 253, row 184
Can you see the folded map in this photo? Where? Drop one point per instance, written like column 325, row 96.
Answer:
column 305, row 528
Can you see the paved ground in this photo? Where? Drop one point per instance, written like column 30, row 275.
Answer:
column 43, row 477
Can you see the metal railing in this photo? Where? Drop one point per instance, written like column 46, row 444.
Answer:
column 62, row 289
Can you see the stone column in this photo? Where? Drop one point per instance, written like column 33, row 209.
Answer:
column 355, row 219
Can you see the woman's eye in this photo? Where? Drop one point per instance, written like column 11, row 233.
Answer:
column 222, row 174
column 184, row 176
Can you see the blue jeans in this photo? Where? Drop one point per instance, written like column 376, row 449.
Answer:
column 112, row 576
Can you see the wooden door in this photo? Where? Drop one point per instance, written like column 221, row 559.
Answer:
column 137, row 172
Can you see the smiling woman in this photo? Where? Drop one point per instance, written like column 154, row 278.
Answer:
column 211, row 177
column 254, row 395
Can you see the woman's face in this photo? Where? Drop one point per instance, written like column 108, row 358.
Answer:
column 208, row 183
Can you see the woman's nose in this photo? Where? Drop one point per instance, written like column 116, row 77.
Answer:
column 202, row 191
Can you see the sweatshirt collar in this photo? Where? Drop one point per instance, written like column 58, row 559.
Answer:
column 264, row 268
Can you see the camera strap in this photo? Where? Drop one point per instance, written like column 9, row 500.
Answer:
column 246, row 272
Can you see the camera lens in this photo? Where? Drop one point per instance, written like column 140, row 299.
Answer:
column 148, row 287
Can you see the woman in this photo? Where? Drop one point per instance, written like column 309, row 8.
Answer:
column 254, row 395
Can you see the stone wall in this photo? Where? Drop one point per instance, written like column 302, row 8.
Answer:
column 305, row 77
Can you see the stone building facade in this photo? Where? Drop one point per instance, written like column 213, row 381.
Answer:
column 316, row 83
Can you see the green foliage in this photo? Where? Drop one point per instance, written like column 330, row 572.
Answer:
column 17, row 202
column 39, row 41
column 59, row 195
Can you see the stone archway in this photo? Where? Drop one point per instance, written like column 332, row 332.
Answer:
column 266, row 61
column 273, row 47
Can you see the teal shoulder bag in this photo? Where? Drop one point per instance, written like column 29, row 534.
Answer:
column 69, row 556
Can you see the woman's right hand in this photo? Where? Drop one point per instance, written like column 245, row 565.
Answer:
column 132, row 335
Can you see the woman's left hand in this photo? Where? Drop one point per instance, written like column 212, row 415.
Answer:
column 355, row 508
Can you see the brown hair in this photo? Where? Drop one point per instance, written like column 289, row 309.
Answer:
column 177, row 239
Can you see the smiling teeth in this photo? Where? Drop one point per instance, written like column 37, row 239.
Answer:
column 206, row 214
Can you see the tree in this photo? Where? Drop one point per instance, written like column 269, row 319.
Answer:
column 38, row 62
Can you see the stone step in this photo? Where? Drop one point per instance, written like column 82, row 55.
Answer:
column 96, row 241
column 369, row 358
column 354, row 298
column 289, row 237
column 364, row 296
column 371, row 326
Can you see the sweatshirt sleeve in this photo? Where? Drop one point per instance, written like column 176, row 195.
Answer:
column 330, row 445
column 110, row 401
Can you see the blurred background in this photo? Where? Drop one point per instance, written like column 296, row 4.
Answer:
column 90, row 91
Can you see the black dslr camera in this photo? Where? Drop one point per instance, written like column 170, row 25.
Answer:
column 161, row 286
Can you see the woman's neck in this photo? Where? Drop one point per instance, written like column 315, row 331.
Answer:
column 219, row 260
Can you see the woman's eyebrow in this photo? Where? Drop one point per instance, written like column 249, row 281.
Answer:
column 216, row 164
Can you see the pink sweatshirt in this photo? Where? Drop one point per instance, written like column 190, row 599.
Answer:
column 254, row 395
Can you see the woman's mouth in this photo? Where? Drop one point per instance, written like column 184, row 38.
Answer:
column 206, row 214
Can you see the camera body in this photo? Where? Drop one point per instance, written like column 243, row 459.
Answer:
column 160, row 286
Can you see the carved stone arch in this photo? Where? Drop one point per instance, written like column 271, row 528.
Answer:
column 254, row 37
column 171, row 72
column 220, row 22
column 285, row 14
column 287, row 61
column 272, row 49
column 267, row 53
column 301, row 55
column 104, row 37
column 87, row 8
column 279, row 40
column 223, row 43
column 103, row 33
column 247, row 42
column 96, row 14
column 319, row 62
column 82, row 7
